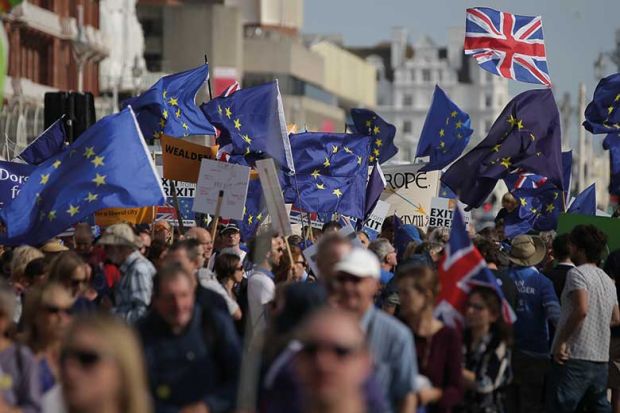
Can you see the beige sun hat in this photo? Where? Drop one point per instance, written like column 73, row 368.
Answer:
column 527, row 250
column 121, row 235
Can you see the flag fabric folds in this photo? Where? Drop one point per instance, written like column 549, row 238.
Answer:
column 374, row 189
column 612, row 144
column 252, row 125
column 109, row 166
column 331, row 172
column 446, row 132
column 169, row 108
column 538, row 210
column 526, row 135
column 603, row 113
column 585, row 202
column 368, row 123
column 46, row 145
column 461, row 269
column 507, row 45
column 255, row 210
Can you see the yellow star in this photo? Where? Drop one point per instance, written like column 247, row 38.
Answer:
column 347, row 150
column 246, row 138
column 442, row 144
column 320, row 186
column 337, row 192
column 173, row 102
column 534, row 210
column 91, row 197
column 459, row 124
column 247, row 151
column 379, row 143
column 73, row 210
column 259, row 217
column 506, row 162
column 164, row 114
column 376, row 152
column 44, row 179
column 555, row 195
column 520, row 124
column 454, row 113
column 165, row 94
column 359, row 160
column 51, row 215
column 315, row 174
column 185, row 126
column 237, row 123
column 610, row 109
column 376, row 130
column 99, row 179
column 56, row 164
column 219, row 110
column 513, row 121
column 370, row 159
column 177, row 114
column 98, row 161
column 334, row 149
column 496, row 148
column 617, row 97
column 327, row 163
column 532, row 137
column 162, row 122
column 368, row 123
column 250, row 219
column 550, row 208
column 442, row 132
column 523, row 201
column 89, row 152
column 228, row 113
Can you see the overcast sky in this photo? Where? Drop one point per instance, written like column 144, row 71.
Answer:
column 575, row 30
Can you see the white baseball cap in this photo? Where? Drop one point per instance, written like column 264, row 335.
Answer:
column 360, row 263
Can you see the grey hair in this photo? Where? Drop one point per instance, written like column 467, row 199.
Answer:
column 8, row 301
column 439, row 235
column 381, row 247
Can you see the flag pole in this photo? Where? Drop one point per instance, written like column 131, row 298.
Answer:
column 173, row 187
column 208, row 79
column 216, row 219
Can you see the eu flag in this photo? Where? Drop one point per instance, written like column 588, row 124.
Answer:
column 169, row 107
column 255, row 210
column 445, row 134
column 252, row 125
column 526, row 135
column 538, row 210
column 368, row 123
column 585, row 202
column 331, row 172
column 108, row 166
column 612, row 144
column 603, row 113
column 48, row 144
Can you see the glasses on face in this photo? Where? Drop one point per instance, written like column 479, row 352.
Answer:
column 312, row 348
column 85, row 358
column 54, row 309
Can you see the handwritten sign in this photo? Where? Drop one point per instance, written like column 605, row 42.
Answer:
column 182, row 159
column 217, row 176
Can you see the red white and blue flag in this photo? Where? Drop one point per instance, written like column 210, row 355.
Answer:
column 461, row 269
column 507, row 45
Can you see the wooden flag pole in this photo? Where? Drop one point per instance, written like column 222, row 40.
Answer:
column 173, row 187
column 208, row 79
column 216, row 219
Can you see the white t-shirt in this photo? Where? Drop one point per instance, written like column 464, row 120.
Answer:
column 591, row 341
column 261, row 290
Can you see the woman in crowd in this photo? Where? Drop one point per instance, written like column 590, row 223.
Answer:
column 47, row 314
column 486, row 349
column 20, row 390
column 102, row 368
column 70, row 270
column 438, row 346
column 229, row 272
column 294, row 272
column 22, row 256
column 157, row 253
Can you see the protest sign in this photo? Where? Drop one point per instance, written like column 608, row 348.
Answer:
column 440, row 215
column 409, row 192
column 229, row 178
column 110, row 216
column 273, row 196
column 181, row 158
column 185, row 195
column 610, row 226
column 12, row 176
column 374, row 222
column 298, row 216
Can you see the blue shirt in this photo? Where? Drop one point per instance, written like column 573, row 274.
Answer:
column 536, row 305
column 386, row 276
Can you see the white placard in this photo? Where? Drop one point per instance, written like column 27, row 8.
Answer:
column 442, row 210
column 231, row 179
column 374, row 222
column 273, row 196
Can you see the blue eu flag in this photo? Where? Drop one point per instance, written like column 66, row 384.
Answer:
column 526, row 135
column 255, row 210
column 538, row 210
column 331, row 172
column 48, row 144
column 612, row 143
column 252, row 125
column 585, row 202
column 109, row 166
column 169, row 108
column 603, row 113
column 368, row 123
column 445, row 134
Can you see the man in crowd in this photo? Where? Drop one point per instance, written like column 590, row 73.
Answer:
column 231, row 239
column 330, row 250
column 558, row 273
column 354, row 287
column 386, row 254
column 204, row 237
column 192, row 354
column 581, row 344
column 133, row 291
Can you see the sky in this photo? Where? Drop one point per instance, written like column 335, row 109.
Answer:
column 575, row 31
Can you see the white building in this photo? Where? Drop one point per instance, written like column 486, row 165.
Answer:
column 407, row 75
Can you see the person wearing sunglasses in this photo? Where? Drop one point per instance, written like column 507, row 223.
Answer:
column 333, row 363
column 102, row 367
column 70, row 270
column 229, row 272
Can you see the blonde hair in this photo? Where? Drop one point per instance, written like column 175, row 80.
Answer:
column 63, row 265
column 22, row 256
column 123, row 345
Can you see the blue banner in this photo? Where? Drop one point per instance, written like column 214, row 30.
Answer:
column 12, row 176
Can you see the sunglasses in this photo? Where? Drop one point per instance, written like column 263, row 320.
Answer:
column 53, row 309
column 311, row 349
column 86, row 358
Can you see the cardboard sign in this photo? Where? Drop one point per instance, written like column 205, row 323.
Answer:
column 372, row 225
column 110, row 216
column 229, row 178
column 185, row 195
column 442, row 210
column 181, row 159
column 610, row 226
column 410, row 192
column 13, row 176
column 273, row 196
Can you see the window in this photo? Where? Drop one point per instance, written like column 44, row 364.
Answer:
column 407, row 126
column 407, row 100
column 488, row 100
column 426, row 75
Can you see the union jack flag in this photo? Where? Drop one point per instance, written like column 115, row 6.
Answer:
column 507, row 45
column 232, row 88
column 461, row 269
column 522, row 179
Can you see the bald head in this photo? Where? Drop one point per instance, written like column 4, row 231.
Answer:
column 204, row 237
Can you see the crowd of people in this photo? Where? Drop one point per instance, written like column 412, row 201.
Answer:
column 144, row 318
